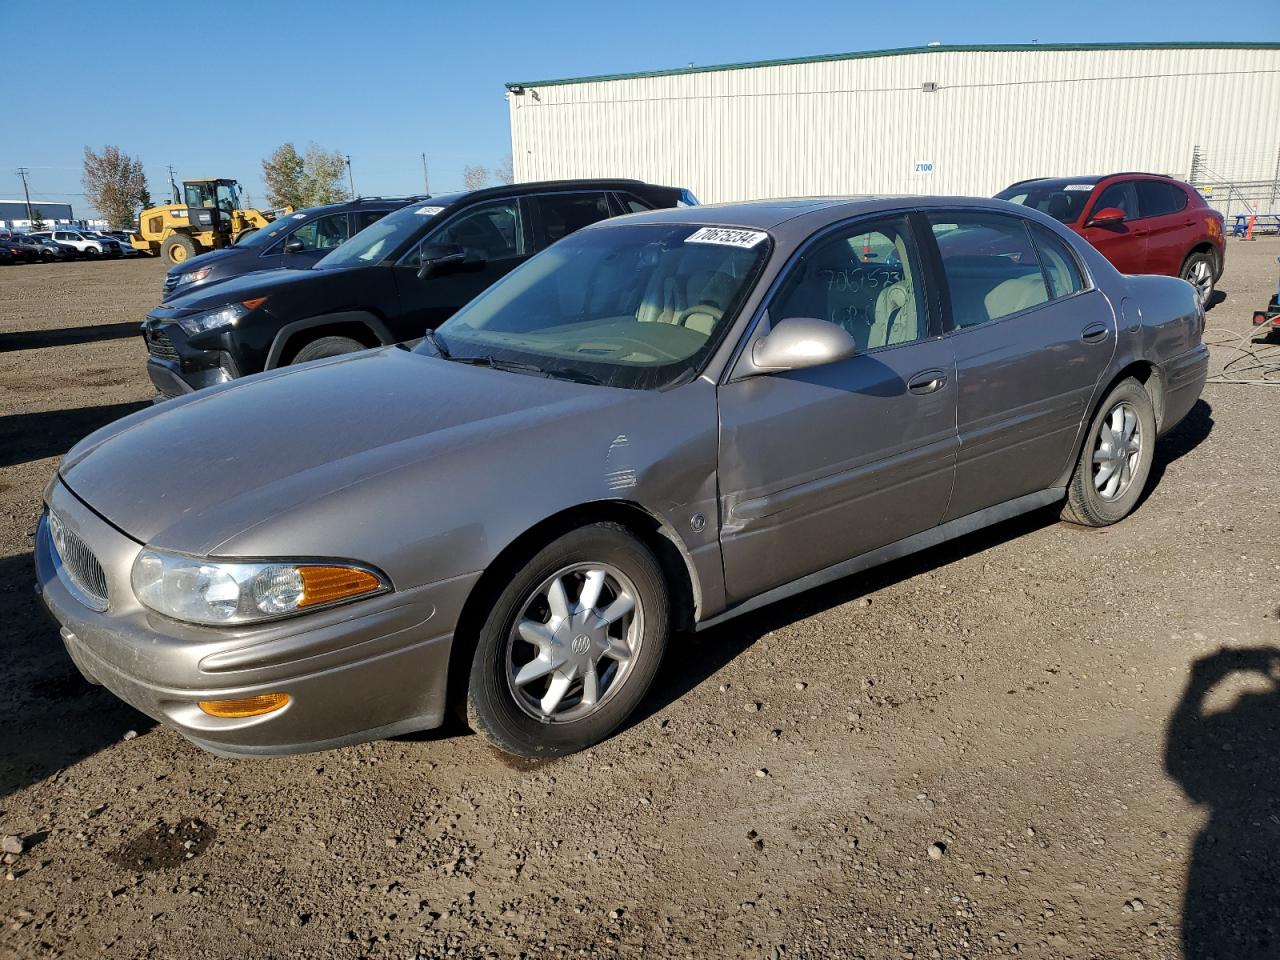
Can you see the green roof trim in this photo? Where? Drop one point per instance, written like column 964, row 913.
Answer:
column 901, row 51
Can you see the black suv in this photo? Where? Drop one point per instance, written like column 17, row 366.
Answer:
column 393, row 281
column 296, row 241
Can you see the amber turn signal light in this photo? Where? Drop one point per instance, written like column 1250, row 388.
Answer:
column 322, row 585
column 254, row 302
column 244, row 706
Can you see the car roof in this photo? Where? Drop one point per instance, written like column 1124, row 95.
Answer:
column 797, row 217
column 1093, row 179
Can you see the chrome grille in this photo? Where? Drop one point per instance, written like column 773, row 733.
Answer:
column 78, row 563
column 170, row 282
column 160, row 345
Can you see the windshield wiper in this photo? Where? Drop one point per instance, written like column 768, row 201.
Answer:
column 519, row 366
column 438, row 344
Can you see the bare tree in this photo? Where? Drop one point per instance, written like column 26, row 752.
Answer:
column 304, row 180
column 475, row 177
column 114, row 184
column 505, row 172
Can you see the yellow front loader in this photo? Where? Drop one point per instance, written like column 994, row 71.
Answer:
column 211, row 218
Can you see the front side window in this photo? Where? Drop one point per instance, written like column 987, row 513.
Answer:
column 865, row 278
column 486, row 232
column 1060, row 267
column 638, row 306
column 385, row 237
column 990, row 264
column 1157, row 199
column 562, row 213
column 323, row 233
column 1122, row 196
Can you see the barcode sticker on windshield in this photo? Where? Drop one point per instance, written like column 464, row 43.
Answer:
column 428, row 211
column 1078, row 186
column 727, row 237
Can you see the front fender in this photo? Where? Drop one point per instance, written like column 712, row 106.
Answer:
column 370, row 321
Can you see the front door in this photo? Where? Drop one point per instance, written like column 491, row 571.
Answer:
column 1031, row 339
column 493, row 236
column 301, row 249
column 1124, row 243
column 820, row 465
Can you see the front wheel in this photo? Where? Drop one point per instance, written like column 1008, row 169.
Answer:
column 571, row 644
column 327, row 347
column 1116, row 458
column 1198, row 270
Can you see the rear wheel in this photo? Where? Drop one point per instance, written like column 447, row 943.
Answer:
column 1116, row 458
column 327, row 347
column 179, row 248
column 570, row 645
column 1198, row 270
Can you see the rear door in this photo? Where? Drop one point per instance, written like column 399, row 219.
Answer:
column 1031, row 338
column 495, row 237
column 1125, row 243
column 1165, row 217
column 821, row 465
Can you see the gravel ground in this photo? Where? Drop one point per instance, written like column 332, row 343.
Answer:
column 1038, row 741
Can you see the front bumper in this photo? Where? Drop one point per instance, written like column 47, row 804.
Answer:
column 366, row 670
column 176, row 368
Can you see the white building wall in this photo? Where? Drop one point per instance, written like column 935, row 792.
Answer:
column 861, row 125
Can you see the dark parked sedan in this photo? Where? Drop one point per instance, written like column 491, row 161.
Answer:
column 295, row 242
column 661, row 422
column 392, row 281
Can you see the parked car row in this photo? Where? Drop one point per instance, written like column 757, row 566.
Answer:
column 607, row 429
column 45, row 246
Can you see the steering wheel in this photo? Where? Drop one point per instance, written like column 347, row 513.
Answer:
column 707, row 309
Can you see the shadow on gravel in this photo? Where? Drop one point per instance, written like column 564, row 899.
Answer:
column 34, row 436
column 694, row 657
column 50, row 716
column 67, row 336
column 1226, row 760
column 1178, row 442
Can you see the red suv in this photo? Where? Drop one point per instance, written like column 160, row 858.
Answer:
column 1141, row 222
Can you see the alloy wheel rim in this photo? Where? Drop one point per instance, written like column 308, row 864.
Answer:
column 1201, row 277
column 574, row 642
column 1117, row 452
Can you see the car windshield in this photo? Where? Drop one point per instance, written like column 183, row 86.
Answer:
column 1060, row 199
column 639, row 306
column 380, row 238
column 273, row 231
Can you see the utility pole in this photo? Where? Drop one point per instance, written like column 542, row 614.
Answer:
column 173, row 185
column 351, row 178
column 22, row 172
column 426, row 184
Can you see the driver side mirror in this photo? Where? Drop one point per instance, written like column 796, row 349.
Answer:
column 1107, row 217
column 294, row 246
column 439, row 258
column 798, row 343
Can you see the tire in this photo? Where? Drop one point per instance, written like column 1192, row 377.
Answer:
column 327, row 347
column 91, row 253
column 179, row 248
column 509, row 713
column 1097, row 497
column 1199, row 270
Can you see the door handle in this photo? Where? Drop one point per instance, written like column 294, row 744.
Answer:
column 928, row 381
column 1094, row 333
column 1140, row 233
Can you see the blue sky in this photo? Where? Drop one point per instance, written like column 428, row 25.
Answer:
column 385, row 81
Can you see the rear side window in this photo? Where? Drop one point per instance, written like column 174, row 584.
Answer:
column 364, row 218
column 990, row 264
column 562, row 213
column 1060, row 267
column 631, row 205
column 1122, row 196
column 1156, row 199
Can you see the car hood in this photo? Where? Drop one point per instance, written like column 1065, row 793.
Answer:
column 192, row 474
column 234, row 289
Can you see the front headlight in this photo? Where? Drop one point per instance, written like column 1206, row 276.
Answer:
column 216, row 592
column 195, row 276
column 225, row 316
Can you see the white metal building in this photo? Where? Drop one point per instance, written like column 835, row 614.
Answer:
column 937, row 119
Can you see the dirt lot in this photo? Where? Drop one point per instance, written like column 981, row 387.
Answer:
column 1049, row 706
